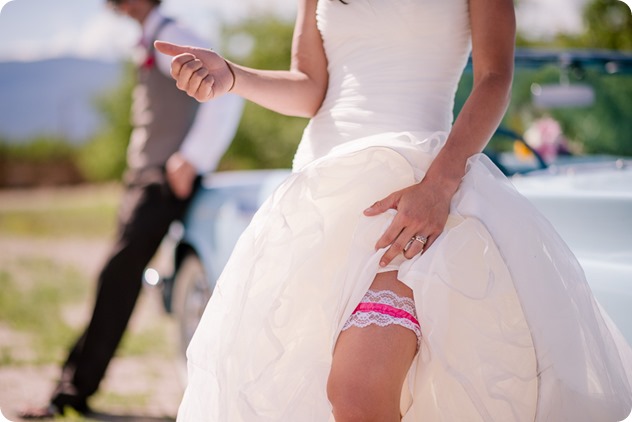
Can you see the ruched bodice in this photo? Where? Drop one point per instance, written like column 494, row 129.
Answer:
column 393, row 66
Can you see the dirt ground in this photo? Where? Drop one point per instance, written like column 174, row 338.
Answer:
column 156, row 379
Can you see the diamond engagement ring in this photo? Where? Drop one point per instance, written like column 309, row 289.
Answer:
column 421, row 239
column 417, row 238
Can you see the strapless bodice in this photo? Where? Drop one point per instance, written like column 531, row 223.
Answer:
column 394, row 66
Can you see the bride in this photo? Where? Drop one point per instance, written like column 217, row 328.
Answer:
column 396, row 274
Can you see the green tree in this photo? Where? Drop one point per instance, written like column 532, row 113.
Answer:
column 265, row 139
column 608, row 25
column 605, row 126
column 104, row 156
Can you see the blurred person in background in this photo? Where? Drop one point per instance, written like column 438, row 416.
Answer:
column 174, row 140
column 546, row 137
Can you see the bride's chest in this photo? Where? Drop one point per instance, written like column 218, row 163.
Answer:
column 391, row 19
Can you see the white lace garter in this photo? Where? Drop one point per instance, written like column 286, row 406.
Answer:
column 383, row 308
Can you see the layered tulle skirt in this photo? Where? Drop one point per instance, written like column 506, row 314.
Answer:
column 511, row 331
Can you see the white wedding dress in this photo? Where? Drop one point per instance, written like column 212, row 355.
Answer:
column 511, row 331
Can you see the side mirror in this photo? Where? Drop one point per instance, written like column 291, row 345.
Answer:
column 562, row 95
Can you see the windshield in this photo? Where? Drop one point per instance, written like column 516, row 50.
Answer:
column 565, row 105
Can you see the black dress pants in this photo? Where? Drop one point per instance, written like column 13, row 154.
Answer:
column 146, row 212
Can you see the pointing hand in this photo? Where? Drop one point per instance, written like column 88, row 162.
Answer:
column 201, row 73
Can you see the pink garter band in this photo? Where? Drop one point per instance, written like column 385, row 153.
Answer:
column 383, row 308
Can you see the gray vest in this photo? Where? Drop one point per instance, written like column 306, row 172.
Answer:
column 161, row 115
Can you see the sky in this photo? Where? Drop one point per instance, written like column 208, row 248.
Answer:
column 38, row 29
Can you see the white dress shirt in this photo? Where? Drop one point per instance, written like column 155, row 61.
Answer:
column 216, row 121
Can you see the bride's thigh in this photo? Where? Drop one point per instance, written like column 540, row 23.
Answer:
column 370, row 363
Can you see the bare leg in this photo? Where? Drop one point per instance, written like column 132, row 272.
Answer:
column 370, row 365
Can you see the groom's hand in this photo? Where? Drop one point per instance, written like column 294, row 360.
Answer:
column 180, row 176
column 201, row 73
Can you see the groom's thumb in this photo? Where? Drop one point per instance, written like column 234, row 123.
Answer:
column 172, row 49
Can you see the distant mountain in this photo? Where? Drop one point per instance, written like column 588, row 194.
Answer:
column 53, row 97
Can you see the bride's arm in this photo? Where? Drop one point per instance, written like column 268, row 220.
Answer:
column 299, row 91
column 493, row 37
column 422, row 209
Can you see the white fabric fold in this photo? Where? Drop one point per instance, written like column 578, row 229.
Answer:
column 510, row 328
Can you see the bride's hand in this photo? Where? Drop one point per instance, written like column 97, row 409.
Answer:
column 422, row 210
column 201, row 73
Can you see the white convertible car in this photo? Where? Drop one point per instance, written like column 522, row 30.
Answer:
column 590, row 205
column 587, row 199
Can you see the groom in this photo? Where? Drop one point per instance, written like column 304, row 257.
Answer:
column 174, row 140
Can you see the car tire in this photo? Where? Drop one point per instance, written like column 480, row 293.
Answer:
column 190, row 296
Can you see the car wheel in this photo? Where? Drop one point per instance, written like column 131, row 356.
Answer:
column 190, row 296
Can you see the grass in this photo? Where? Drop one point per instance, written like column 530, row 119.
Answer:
column 37, row 292
column 95, row 221
column 115, row 400
column 82, row 212
column 34, row 290
column 36, row 307
column 151, row 340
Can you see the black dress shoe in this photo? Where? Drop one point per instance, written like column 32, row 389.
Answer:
column 39, row 413
column 61, row 401
column 57, row 407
